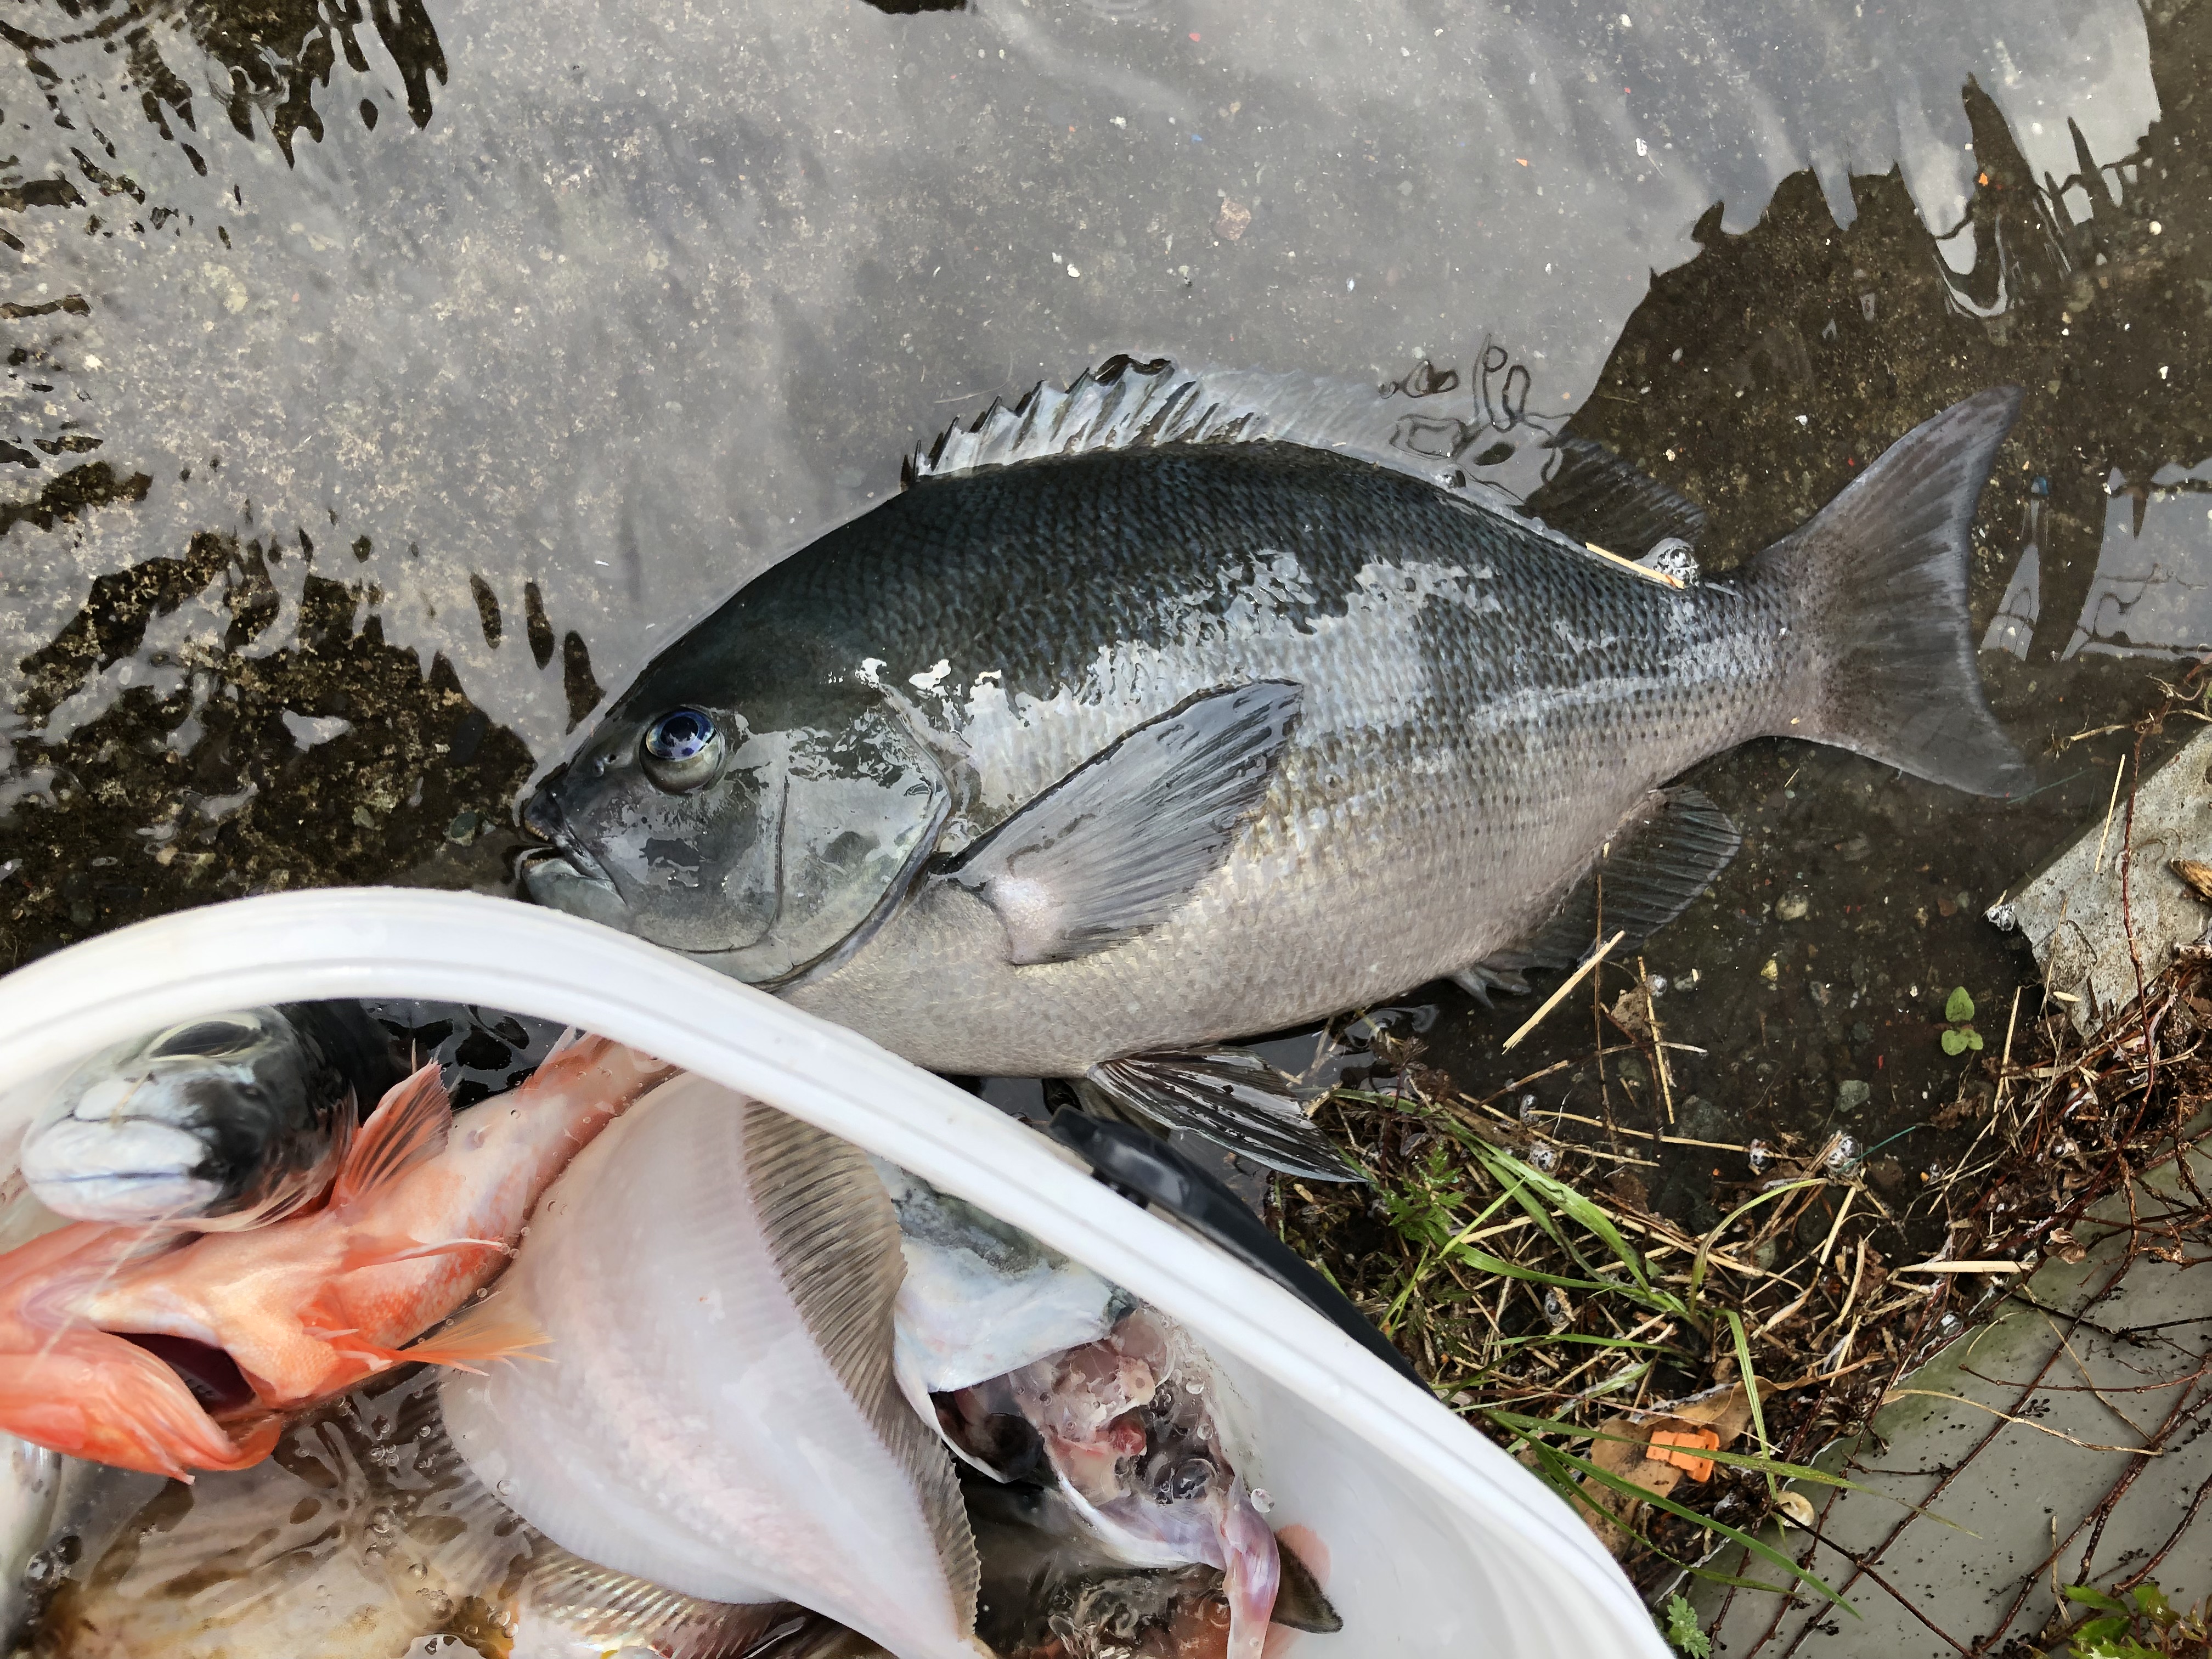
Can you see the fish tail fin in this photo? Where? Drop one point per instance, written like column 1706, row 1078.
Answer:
column 1877, row 585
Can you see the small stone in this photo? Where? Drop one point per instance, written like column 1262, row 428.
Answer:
column 1852, row 1095
column 1772, row 971
column 1791, row 907
column 1234, row 219
column 464, row 827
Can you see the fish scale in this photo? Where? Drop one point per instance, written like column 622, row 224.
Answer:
column 1467, row 737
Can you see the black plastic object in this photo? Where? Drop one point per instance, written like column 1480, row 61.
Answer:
column 1148, row 1170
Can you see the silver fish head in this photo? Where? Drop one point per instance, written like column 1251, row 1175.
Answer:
column 759, row 833
column 229, row 1119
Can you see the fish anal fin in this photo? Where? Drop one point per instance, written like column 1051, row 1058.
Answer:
column 835, row 1238
column 1229, row 1096
column 1506, row 970
column 409, row 1124
column 1112, row 849
column 1666, row 853
column 493, row 1327
column 1596, row 496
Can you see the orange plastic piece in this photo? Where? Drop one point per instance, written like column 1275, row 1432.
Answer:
column 1679, row 1446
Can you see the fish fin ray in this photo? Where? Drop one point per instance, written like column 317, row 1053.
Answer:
column 1111, row 850
column 496, row 1327
column 1598, row 496
column 835, row 1238
column 592, row 1604
column 1502, row 970
column 1230, row 1096
column 385, row 1251
column 1878, row 582
column 409, row 1125
column 1664, row 855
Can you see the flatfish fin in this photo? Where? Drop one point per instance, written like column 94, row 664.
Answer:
column 1113, row 848
column 1665, row 853
column 835, row 1236
column 582, row 1603
column 1300, row 1603
column 1230, row 1095
column 1596, row 496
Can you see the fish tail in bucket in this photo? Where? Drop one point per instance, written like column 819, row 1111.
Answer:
column 1877, row 585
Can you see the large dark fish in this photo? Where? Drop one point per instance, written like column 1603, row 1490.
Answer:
column 1077, row 763
column 229, row 1122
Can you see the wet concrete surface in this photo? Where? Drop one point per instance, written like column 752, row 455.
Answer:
column 382, row 387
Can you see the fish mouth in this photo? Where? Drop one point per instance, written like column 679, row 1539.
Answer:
column 216, row 1384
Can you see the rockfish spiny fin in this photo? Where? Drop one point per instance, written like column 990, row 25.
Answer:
column 1113, row 848
column 1229, row 1096
column 409, row 1124
column 835, row 1236
column 1876, row 587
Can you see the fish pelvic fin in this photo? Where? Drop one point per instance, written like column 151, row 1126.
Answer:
column 1877, row 584
column 409, row 1125
column 89, row 1394
column 1229, row 1096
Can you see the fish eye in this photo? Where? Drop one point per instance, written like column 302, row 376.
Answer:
column 682, row 751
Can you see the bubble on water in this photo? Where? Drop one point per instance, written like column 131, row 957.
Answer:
column 503, row 1487
column 1756, row 1154
column 1262, row 1500
column 1528, row 1105
column 1843, row 1153
column 1543, row 1156
column 1657, row 984
column 1193, row 1385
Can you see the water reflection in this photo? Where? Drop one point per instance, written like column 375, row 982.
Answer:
column 303, row 398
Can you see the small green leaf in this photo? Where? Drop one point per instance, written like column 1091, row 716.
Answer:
column 2106, row 1630
column 1973, row 1037
column 2090, row 1596
column 2151, row 1603
column 1954, row 1042
column 1682, row 1630
column 1960, row 1006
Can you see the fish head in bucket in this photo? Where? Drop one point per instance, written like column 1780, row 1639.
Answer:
column 100, row 1395
column 756, row 822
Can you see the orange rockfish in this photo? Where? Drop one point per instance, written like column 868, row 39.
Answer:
column 165, row 1354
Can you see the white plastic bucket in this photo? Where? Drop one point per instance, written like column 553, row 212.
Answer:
column 1437, row 1541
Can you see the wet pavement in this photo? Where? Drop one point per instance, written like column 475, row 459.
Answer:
column 384, row 386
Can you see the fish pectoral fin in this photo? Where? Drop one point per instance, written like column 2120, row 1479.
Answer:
column 494, row 1328
column 384, row 1252
column 409, row 1124
column 1665, row 853
column 1113, row 848
column 1229, row 1096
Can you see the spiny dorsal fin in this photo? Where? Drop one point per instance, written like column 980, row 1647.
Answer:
column 1596, row 496
column 1112, row 849
column 835, row 1236
column 409, row 1125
